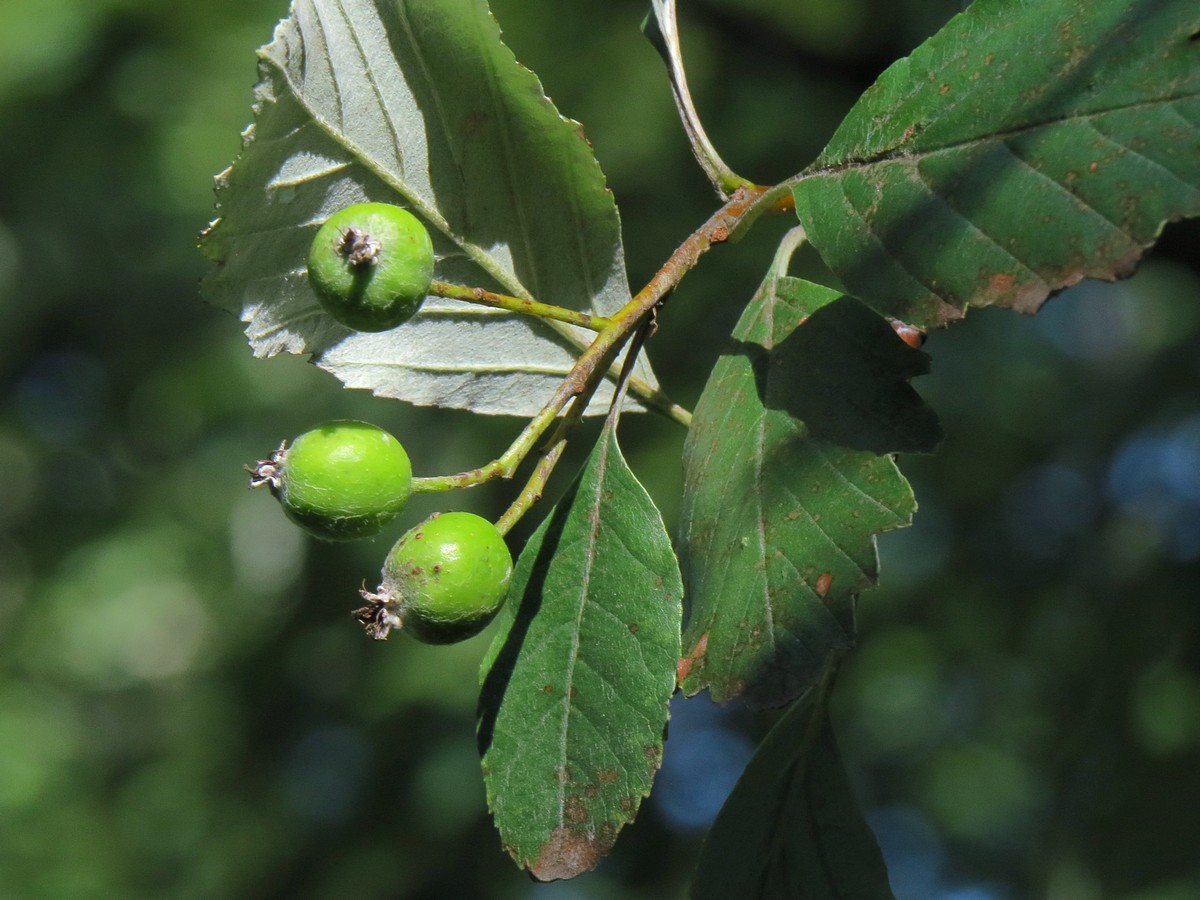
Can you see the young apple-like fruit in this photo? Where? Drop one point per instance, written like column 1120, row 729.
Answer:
column 443, row 581
column 340, row 481
column 370, row 265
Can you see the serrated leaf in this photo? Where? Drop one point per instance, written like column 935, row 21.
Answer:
column 1023, row 147
column 421, row 104
column 791, row 827
column 777, row 526
column 576, row 685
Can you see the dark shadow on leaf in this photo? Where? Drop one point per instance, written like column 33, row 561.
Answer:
column 845, row 373
column 495, row 683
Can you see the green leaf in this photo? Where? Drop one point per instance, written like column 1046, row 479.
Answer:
column 792, row 827
column 420, row 104
column 778, row 525
column 1022, row 148
column 577, row 684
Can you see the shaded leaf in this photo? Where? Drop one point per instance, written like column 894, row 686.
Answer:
column 1022, row 148
column 420, row 104
column 791, row 827
column 846, row 377
column 577, row 684
column 777, row 530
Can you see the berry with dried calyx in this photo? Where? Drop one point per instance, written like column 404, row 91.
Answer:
column 370, row 265
column 340, row 481
column 443, row 581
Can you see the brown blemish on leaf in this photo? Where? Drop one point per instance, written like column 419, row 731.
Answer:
column 944, row 89
column 608, row 776
column 574, row 811
column 574, row 692
column 910, row 334
column 634, row 628
column 564, row 775
column 548, row 689
column 823, row 583
column 683, row 668
column 568, row 853
column 1000, row 284
column 591, row 791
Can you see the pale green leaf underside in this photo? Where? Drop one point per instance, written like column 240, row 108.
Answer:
column 792, row 827
column 576, row 685
column 421, row 104
column 777, row 527
column 662, row 29
column 1024, row 147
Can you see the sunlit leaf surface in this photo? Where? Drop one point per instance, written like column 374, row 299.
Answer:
column 420, row 104
column 1024, row 147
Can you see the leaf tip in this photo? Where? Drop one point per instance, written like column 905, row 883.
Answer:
column 568, row 853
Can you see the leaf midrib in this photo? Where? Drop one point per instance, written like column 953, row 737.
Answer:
column 894, row 155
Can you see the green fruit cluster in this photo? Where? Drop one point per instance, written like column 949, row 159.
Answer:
column 443, row 581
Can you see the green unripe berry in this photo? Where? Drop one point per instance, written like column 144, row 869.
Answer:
column 370, row 265
column 443, row 581
column 340, row 481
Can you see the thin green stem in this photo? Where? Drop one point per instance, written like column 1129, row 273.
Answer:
column 518, row 305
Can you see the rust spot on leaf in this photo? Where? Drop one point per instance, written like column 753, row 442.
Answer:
column 568, row 853
column 591, row 791
column 564, row 775
column 608, row 776
column 574, row 692
column 1000, row 284
column 634, row 628
column 683, row 668
column 823, row 583
column 910, row 334
column 574, row 811
column 548, row 689
column 944, row 89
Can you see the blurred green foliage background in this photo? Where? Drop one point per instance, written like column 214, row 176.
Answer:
column 187, row 710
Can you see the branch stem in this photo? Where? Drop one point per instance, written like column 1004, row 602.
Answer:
column 580, row 383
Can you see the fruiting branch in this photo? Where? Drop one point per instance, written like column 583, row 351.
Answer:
column 580, row 383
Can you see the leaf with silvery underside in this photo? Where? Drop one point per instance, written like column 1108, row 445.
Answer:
column 792, row 827
column 576, row 685
column 1022, row 148
column 419, row 104
column 779, row 517
column 662, row 30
